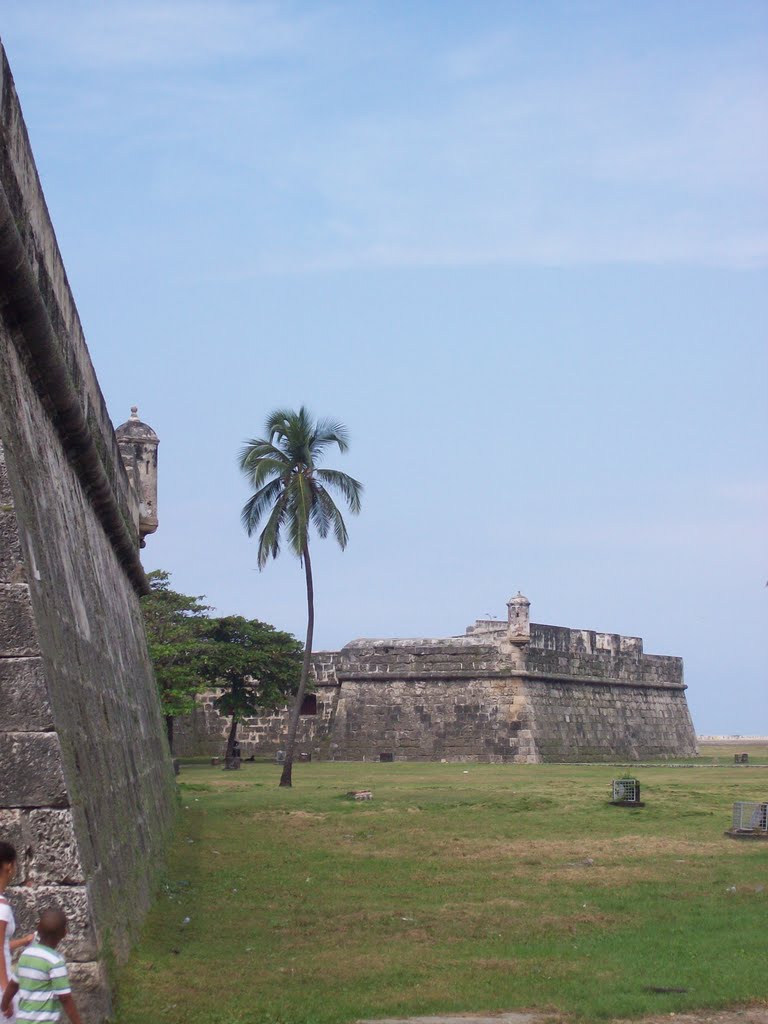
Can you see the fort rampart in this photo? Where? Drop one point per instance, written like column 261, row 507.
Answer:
column 504, row 692
column 86, row 787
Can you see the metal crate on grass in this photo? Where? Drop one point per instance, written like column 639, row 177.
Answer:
column 626, row 791
column 750, row 816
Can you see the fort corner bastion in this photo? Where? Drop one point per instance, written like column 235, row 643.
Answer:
column 87, row 794
column 505, row 691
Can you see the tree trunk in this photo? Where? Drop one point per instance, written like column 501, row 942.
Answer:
column 232, row 736
column 169, row 731
column 285, row 778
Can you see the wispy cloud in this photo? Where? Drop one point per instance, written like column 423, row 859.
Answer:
column 347, row 153
column 158, row 33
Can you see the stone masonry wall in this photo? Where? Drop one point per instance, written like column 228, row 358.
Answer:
column 564, row 695
column 86, row 788
column 429, row 699
column 587, row 654
column 455, row 720
column 574, row 721
column 205, row 731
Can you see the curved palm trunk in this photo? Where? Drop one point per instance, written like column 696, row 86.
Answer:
column 285, row 778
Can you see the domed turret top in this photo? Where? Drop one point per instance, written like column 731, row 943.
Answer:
column 518, row 599
column 135, row 429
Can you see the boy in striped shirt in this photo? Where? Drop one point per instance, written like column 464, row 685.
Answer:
column 43, row 984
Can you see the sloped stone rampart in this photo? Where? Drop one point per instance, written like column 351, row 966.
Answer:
column 578, row 721
column 86, row 787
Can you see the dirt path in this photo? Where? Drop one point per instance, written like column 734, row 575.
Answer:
column 752, row 1015
column 755, row 1015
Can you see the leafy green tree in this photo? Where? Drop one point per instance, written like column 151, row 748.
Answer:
column 257, row 666
column 175, row 624
column 292, row 493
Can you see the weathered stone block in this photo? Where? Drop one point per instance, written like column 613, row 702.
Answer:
column 24, row 696
column 6, row 495
column 28, row 904
column 91, row 990
column 12, row 831
column 11, row 563
column 18, row 636
column 55, row 855
column 32, row 773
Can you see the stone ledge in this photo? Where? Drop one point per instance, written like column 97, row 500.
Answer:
column 430, row 675
column 47, row 332
column 427, row 676
column 637, row 684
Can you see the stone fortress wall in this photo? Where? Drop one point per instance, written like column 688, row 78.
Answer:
column 87, row 794
column 506, row 691
column 205, row 731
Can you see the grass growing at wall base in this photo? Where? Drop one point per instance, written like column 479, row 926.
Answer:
column 458, row 888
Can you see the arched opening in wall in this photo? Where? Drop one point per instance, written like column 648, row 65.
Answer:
column 309, row 704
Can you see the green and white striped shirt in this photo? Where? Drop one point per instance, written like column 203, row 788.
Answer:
column 42, row 975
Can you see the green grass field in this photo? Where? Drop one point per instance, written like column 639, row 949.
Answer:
column 722, row 753
column 458, row 888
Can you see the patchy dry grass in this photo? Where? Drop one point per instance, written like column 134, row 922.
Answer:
column 502, row 888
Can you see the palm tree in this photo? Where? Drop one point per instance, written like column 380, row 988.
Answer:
column 291, row 492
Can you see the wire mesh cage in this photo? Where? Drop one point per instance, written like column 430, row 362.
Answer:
column 750, row 816
column 626, row 790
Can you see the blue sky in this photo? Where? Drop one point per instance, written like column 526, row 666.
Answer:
column 519, row 248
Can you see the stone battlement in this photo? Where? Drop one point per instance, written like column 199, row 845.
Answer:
column 563, row 638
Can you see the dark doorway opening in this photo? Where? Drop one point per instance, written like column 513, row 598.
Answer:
column 309, row 704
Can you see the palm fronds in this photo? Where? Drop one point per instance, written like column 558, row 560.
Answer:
column 290, row 492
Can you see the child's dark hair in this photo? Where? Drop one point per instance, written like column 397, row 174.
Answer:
column 53, row 926
column 7, row 853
